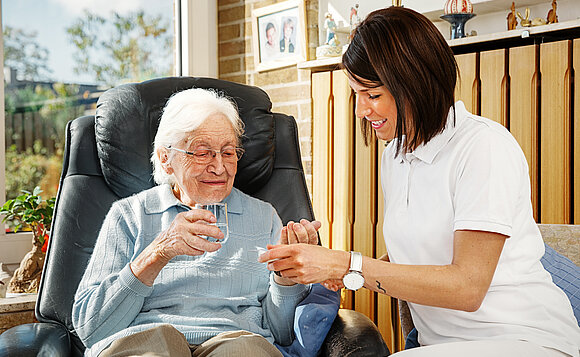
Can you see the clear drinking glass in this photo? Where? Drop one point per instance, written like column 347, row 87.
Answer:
column 220, row 211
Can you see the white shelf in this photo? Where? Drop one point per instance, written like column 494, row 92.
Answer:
column 489, row 6
column 522, row 32
column 325, row 63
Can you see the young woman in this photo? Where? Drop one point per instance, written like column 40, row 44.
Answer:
column 463, row 246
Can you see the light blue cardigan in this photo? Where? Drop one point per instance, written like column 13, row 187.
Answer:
column 200, row 296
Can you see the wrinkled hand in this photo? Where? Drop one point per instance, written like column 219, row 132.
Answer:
column 333, row 284
column 303, row 232
column 183, row 237
column 307, row 263
column 295, row 233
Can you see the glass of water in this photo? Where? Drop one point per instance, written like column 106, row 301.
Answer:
column 220, row 211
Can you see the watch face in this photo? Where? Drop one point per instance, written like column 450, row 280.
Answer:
column 353, row 281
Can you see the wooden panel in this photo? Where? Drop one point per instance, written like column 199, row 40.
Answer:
column 8, row 128
column 321, row 130
column 28, row 130
column 524, row 109
column 18, row 136
column 576, row 133
column 493, row 75
column 365, row 177
column 383, row 301
column 555, row 132
column 342, row 169
column 467, row 82
column 386, row 309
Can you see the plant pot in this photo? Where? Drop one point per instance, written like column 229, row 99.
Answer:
column 26, row 278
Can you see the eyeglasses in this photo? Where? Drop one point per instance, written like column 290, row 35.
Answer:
column 205, row 156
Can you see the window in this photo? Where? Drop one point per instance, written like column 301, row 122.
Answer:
column 58, row 58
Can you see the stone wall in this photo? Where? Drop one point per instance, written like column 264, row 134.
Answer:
column 289, row 87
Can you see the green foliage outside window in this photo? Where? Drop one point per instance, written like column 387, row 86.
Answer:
column 31, row 168
column 122, row 48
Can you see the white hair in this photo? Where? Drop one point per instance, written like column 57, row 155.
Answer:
column 184, row 112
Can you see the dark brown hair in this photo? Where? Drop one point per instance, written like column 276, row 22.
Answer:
column 402, row 50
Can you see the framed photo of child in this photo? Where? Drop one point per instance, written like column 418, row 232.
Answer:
column 279, row 35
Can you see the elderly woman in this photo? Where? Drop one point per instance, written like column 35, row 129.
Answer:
column 155, row 286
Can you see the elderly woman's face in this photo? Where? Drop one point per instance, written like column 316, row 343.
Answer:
column 205, row 182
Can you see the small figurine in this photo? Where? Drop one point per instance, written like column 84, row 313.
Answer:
column 538, row 21
column 331, row 48
column 458, row 7
column 512, row 21
column 330, row 27
column 354, row 20
column 525, row 21
column 552, row 16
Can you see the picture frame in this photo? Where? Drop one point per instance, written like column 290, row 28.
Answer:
column 279, row 35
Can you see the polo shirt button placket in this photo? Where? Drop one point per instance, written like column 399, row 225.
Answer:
column 409, row 175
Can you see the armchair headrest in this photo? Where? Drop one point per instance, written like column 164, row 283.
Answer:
column 127, row 118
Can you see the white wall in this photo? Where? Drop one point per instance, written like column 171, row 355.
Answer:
column 490, row 14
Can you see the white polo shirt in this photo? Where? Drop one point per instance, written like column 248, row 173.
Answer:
column 474, row 176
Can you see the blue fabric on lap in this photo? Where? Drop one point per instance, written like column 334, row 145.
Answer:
column 566, row 275
column 412, row 339
column 313, row 319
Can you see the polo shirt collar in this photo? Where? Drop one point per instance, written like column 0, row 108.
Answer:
column 428, row 152
column 165, row 199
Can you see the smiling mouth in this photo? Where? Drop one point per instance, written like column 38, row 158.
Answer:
column 376, row 124
column 214, row 182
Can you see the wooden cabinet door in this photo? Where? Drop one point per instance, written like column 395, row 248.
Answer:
column 467, row 88
column 387, row 309
column 523, row 73
column 493, row 76
column 321, row 149
column 343, row 131
column 365, row 212
column 576, row 133
column 555, row 69
column 343, row 125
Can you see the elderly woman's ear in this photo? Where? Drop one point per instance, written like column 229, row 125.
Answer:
column 163, row 154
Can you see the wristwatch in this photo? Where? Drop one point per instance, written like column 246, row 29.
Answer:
column 354, row 280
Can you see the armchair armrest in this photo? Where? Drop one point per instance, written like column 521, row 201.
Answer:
column 35, row 339
column 353, row 331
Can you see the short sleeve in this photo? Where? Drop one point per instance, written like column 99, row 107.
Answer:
column 490, row 175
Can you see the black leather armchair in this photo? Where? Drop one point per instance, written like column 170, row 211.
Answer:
column 107, row 158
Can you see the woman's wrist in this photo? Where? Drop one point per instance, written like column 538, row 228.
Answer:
column 341, row 265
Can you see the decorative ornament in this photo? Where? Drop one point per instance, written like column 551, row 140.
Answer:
column 512, row 21
column 458, row 7
column 457, row 13
column 331, row 47
column 330, row 27
column 525, row 21
column 552, row 16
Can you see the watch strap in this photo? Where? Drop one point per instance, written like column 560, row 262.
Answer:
column 356, row 261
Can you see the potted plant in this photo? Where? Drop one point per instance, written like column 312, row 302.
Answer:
column 29, row 210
